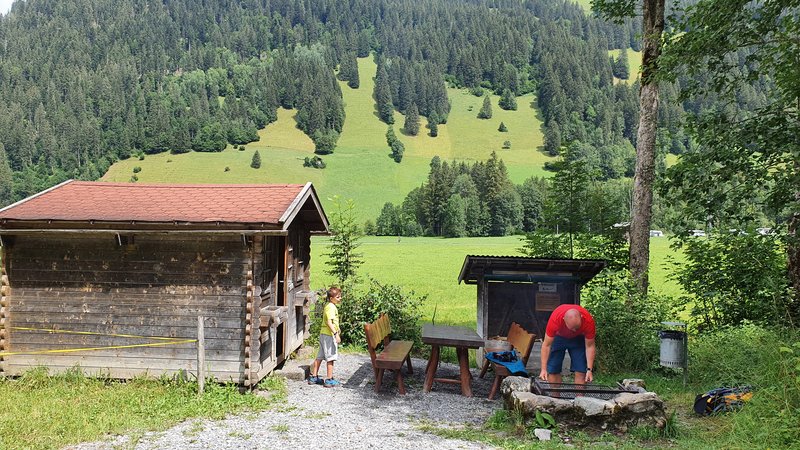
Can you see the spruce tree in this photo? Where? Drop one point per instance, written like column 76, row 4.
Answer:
column 508, row 101
column 433, row 125
column 256, row 162
column 486, row 109
column 502, row 128
column 411, row 126
column 383, row 96
column 6, row 178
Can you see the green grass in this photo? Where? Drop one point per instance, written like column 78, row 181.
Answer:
column 360, row 168
column 43, row 412
column 431, row 266
column 634, row 64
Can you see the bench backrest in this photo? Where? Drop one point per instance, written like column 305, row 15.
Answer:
column 377, row 332
column 521, row 340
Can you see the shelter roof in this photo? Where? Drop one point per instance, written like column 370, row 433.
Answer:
column 86, row 204
column 520, row 268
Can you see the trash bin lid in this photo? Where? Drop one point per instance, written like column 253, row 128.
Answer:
column 671, row 334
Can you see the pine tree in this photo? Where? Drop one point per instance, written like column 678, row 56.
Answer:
column 486, row 109
column 620, row 66
column 256, row 162
column 411, row 126
column 6, row 179
column 433, row 125
column 502, row 128
column 383, row 96
column 508, row 101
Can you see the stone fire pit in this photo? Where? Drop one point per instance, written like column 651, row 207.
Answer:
column 623, row 411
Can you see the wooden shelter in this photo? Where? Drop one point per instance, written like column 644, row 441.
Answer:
column 524, row 290
column 113, row 276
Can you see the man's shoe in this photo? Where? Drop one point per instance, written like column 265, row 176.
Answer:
column 330, row 382
column 315, row 380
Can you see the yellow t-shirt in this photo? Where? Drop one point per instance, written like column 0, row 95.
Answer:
column 329, row 312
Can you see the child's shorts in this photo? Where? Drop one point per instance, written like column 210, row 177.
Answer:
column 328, row 350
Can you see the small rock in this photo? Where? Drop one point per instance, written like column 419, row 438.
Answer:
column 543, row 434
column 515, row 384
column 631, row 382
column 639, row 403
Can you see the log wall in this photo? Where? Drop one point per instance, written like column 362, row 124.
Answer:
column 155, row 286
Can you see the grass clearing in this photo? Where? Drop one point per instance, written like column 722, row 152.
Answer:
column 360, row 168
column 49, row 412
column 431, row 266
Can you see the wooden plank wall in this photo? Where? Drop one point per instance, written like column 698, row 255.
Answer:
column 4, row 293
column 156, row 286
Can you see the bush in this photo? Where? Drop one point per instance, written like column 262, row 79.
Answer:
column 137, row 169
column 227, row 169
column 357, row 309
column 627, row 323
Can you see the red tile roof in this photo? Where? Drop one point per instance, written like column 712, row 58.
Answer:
column 125, row 202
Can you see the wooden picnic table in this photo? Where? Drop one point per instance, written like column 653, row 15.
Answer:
column 463, row 339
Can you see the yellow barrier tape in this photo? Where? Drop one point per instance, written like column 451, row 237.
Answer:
column 71, row 350
column 93, row 333
column 167, row 341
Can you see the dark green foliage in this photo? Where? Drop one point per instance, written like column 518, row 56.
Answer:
column 502, row 128
column 348, row 70
column 325, row 141
column 383, row 96
column 619, row 66
column 314, row 162
column 395, row 145
column 733, row 278
column 433, row 125
column 137, row 169
column 455, row 220
column 532, row 195
column 627, row 338
column 6, row 180
column 506, row 145
column 358, row 308
column 552, row 139
column 369, row 228
column 396, row 221
column 411, row 126
column 211, row 138
column 486, row 109
column 227, row 169
column 508, row 101
column 255, row 163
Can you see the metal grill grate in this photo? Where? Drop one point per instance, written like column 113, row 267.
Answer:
column 569, row 391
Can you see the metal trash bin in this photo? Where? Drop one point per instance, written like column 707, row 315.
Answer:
column 672, row 348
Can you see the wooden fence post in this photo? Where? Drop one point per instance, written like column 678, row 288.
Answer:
column 201, row 356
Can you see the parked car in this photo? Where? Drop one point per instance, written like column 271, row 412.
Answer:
column 697, row 233
column 764, row 231
column 656, row 233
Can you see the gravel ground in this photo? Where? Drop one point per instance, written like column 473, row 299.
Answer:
column 350, row 416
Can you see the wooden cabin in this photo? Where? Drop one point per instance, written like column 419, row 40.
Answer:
column 112, row 277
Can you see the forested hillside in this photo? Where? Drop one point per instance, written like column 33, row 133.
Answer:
column 86, row 82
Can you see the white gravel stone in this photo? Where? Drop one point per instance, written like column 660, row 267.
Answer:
column 351, row 416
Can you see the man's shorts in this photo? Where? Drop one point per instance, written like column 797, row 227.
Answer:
column 328, row 350
column 577, row 354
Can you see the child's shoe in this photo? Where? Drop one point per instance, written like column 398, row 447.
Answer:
column 315, row 380
column 330, row 382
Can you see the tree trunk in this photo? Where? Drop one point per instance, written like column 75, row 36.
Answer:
column 641, row 210
column 793, row 260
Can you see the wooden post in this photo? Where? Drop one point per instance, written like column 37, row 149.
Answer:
column 201, row 356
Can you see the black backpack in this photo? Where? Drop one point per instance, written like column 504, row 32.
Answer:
column 722, row 399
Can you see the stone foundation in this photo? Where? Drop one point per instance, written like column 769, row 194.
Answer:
column 622, row 412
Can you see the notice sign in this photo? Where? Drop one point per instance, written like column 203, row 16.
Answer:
column 548, row 287
column 546, row 301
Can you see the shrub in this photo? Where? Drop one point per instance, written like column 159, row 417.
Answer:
column 242, row 148
column 256, row 161
column 227, row 169
column 627, row 323
column 402, row 307
column 507, row 145
column 137, row 169
column 502, row 128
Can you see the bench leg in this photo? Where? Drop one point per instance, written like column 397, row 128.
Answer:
column 400, row 385
column 430, row 371
column 495, row 386
column 484, row 368
column 408, row 360
column 466, row 376
column 378, row 380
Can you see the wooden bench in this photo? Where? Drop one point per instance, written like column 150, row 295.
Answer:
column 393, row 355
column 522, row 343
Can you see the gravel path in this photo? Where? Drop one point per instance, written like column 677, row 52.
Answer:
column 351, row 416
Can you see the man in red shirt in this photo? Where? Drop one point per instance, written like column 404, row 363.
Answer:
column 570, row 328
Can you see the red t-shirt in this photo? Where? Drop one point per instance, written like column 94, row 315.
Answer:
column 557, row 327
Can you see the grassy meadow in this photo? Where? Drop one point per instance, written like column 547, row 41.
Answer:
column 431, row 266
column 360, row 168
